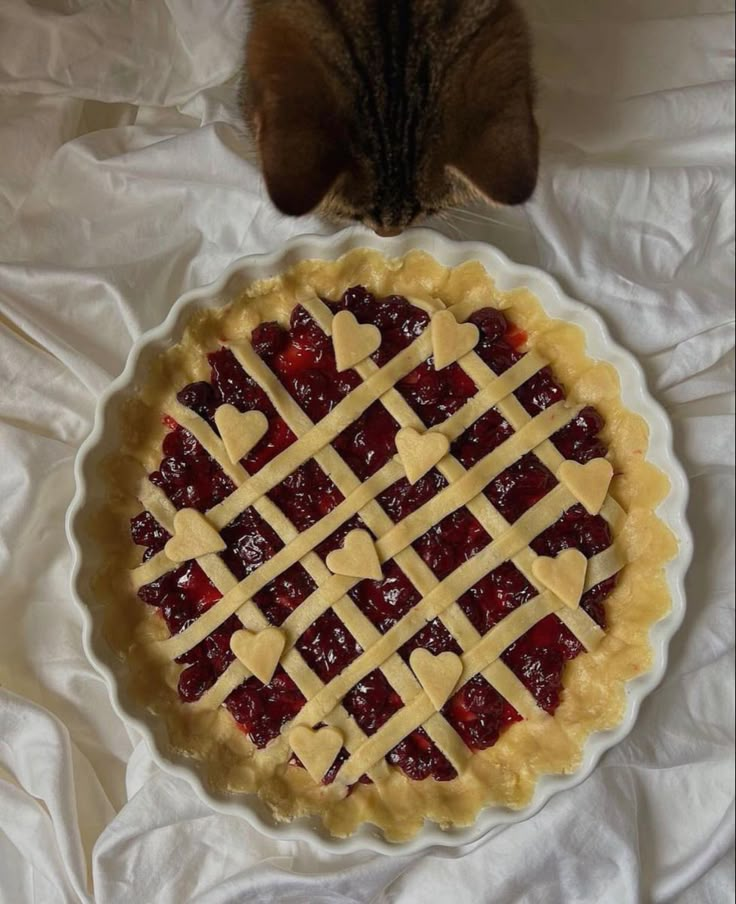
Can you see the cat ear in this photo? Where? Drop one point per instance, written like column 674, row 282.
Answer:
column 299, row 130
column 501, row 162
column 495, row 148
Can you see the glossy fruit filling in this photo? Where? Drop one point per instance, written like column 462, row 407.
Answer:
column 302, row 357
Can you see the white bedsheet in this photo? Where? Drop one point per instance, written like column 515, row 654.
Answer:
column 123, row 183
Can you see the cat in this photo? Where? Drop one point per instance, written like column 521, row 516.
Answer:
column 387, row 111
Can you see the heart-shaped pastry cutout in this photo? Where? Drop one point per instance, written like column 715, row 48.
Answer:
column 194, row 536
column 316, row 750
column 564, row 576
column 438, row 675
column 353, row 342
column 259, row 653
column 239, row 431
column 357, row 558
column 420, row 452
column 589, row 483
column 451, row 340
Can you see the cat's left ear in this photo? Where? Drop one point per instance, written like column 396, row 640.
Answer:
column 500, row 160
column 293, row 110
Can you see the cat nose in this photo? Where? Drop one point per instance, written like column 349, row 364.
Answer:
column 387, row 232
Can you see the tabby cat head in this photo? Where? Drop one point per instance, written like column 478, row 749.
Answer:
column 385, row 111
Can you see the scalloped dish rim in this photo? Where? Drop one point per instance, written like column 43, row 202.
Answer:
column 507, row 275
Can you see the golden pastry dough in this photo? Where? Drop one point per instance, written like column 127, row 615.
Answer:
column 420, row 452
column 316, row 749
column 193, row 537
column 589, row 482
column 357, row 558
column 353, row 342
column 260, row 652
column 564, row 576
column 240, row 432
column 438, row 675
column 506, row 773
column 451, row 340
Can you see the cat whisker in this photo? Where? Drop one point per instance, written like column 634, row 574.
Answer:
column 468, row 211
column 476, row 219
column 445, row 218
column 473, row 214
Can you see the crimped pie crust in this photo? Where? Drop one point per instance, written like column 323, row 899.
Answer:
column 505, row 774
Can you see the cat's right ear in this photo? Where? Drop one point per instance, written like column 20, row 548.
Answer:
column 492, row 133
column 294, row 114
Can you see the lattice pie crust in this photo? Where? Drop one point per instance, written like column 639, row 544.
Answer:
column 594, row 683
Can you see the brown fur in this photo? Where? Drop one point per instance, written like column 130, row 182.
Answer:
column 384, row 111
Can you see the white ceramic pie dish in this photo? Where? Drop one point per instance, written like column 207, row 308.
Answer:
column 103, row 440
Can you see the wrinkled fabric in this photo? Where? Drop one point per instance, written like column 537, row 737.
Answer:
column 126, row 179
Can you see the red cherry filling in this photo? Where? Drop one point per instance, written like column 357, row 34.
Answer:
column 436, row 395
column 188, row 476
column 305, row 364
column 278, row 437
column 579, row 439
column 575, row 529
column 520, row 487
column 327, row 646
column 492, row 326
column 538, row 659
column 281, row 597
column 372, row 702
column 207, row 661
column 592, row 601
column 250, row 543
column 268, row 339
column 419, row 758
column 186, row 590
column 433, row 637
column 495, row 596
column 386, row 602
column 481, row 438
column 232, row 386
column 457, row 538
column 540, row 392
column 306, row 495
column 399, row 322
column 203, row 399
column 401, row 499
column 263, row 709
column 499, row 355
column 146, row 531
column 479, row 713
column 368, row 443
column 303, row 359
column 181, row 596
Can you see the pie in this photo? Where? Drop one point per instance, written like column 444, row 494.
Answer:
column 380, row 544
